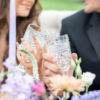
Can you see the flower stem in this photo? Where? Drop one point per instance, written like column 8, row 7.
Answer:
column 65, row 95
column 45, row 96
column 87, row 87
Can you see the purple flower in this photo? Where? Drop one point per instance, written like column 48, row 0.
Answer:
column 19, row 85
column 92, row 95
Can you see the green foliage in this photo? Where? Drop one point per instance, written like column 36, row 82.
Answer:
column 62, row 4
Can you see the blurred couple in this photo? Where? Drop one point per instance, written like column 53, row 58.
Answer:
column 83, row 29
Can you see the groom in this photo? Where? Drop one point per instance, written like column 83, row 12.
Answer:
column 83, row 29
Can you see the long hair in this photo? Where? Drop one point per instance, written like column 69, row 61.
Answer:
column 22, row 22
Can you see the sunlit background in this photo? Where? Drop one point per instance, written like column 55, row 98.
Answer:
column 62, row 4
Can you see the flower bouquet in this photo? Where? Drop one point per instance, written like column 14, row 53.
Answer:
column 19, row 86
column 70, row 84
column 65, row 83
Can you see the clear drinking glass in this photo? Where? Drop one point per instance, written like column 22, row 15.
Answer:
column 35, row 31
column 57, row 46
column 60, row 48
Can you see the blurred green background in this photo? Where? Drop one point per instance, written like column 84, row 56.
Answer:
column 62, row 4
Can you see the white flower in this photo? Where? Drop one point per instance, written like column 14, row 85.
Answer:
column 88, row 77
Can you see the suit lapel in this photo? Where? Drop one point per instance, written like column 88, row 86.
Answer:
column 94, row 32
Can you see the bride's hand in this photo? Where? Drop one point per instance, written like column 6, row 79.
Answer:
column 25, row 60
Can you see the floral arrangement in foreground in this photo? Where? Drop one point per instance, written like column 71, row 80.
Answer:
column 21, row 86
column 70, row 84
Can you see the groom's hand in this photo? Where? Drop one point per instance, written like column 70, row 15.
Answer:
column 49, row 68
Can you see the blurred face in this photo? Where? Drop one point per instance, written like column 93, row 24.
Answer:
column 23, row 7
column 92, row 6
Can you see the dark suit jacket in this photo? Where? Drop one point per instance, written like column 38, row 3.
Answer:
column 84, row 34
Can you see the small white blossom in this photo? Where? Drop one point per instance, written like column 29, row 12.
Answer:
column 88, row 77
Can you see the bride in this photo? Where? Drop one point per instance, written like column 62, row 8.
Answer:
column 27, row 11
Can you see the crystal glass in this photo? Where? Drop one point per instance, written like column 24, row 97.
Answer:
column 35, row 31
column 60, row 48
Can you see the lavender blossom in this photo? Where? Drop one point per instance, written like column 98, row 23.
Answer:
column 19, row 85
column 92, row 95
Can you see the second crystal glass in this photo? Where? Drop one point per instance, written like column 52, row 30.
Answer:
column 60, row 49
